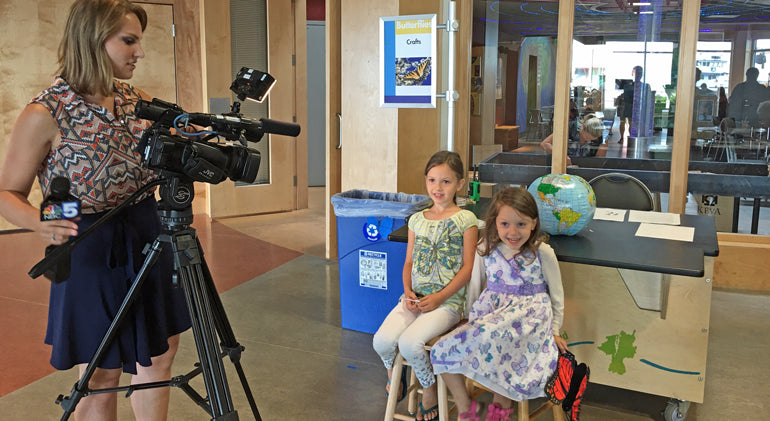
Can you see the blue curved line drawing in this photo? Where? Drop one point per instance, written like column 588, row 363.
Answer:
column 694, row 373
column 581, row 343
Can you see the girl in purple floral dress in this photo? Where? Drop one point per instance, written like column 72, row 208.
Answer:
column 511, row 343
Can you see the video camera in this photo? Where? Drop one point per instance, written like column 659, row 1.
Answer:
column 191, row 154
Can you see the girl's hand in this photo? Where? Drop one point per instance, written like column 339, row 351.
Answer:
column 430, row 302
column 411, row 301
column 560, row 343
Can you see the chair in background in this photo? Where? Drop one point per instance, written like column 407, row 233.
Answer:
column 622, row 191
column 649, row 290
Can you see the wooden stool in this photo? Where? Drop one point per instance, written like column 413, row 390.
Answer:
column 414, row 388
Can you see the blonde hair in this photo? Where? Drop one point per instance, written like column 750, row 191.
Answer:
column 593, row 125
column 83, row 60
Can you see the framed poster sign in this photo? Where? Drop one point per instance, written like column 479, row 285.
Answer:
column 407, row 61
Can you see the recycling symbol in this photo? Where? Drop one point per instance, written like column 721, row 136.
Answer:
column 375, row 229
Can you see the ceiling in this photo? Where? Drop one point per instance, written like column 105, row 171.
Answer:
column 617, row 20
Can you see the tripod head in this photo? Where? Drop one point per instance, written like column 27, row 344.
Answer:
column 175, row 205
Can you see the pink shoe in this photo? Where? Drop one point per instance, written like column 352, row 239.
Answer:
column 471, row 414
column 496, row 413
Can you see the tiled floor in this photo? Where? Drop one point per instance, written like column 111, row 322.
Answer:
column 282, row 300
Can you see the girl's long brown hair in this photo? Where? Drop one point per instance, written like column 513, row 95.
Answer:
column 519, row 199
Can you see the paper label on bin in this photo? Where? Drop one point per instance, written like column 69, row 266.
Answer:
column 373, row 269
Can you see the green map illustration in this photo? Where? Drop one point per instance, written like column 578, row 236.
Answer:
column 619, row 347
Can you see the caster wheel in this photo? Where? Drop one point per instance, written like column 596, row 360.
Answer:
column 676, row 410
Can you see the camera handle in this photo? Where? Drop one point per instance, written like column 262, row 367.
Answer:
column 207, row 313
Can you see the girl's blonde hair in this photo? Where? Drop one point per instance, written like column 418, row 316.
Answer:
column 522, row 201
column 452, row 159
column 593, row 125
column 83, row 60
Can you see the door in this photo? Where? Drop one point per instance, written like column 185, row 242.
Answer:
column 278, row 189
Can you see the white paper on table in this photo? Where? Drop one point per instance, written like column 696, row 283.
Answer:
column 666, row 232
column 664, row 218
column 609, row 214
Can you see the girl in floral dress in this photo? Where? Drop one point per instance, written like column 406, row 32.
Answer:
column 511, row 343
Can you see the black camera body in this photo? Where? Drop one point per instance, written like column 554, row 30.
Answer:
column 200, row 161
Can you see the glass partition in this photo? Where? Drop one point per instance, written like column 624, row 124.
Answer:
column 512, row 76
column 624, row 77
column 629, row 51
column 729, row 127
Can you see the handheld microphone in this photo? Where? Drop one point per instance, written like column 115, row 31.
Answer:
column 59, row 204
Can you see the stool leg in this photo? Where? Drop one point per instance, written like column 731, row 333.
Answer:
column 523, row 410
column 414, row 388
column 443, row 399
column 390, row 408
column 558, row 414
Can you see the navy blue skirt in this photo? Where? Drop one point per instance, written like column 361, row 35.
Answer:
column 103, row 267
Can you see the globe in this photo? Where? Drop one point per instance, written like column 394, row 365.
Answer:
column 566, row 203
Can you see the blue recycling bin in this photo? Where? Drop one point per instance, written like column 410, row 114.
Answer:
column 370, row 265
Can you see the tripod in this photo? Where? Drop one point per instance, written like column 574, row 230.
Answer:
column 207, row 314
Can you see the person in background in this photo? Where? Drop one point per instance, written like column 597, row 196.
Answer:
column 439, row 257
column 722, row 106
column 745, row 97
column 83, row 128
column 584, row 140
column 621, row 109
column 511, row 342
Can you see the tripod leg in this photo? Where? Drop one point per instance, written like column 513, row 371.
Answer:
column 227, row 336
column 81, row 390
column 188, row 260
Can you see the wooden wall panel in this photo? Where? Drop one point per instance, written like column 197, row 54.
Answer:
column 369, row 133
column 742, row 262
